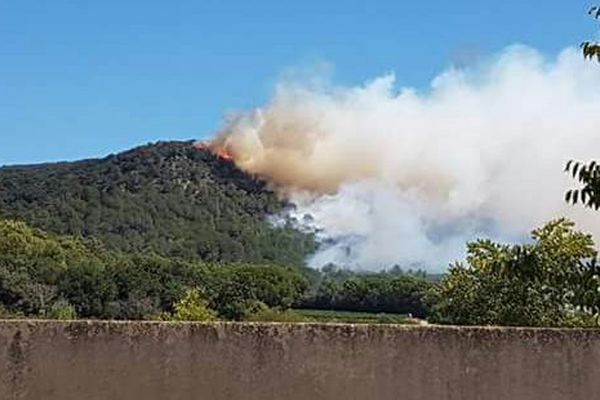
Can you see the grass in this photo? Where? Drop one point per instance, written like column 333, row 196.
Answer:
column 352, row 317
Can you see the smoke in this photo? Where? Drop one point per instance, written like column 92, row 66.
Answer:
column 387, row 176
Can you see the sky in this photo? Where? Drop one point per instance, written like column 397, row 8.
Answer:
column 83, row 79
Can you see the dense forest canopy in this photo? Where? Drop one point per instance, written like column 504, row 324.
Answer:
column 169, row 198
column 172, row 232
column 168, row 231
column 45, row 275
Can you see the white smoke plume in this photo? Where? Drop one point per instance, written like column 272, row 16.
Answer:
column 394, row 176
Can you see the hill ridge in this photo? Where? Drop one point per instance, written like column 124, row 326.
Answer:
column 167, row 197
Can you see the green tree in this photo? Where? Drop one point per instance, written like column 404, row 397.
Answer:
column 193, row 307
column 370, row 292
column 241, row 290
column 31, row 263
column 42, row 275
column 550, row 282
column 89, row 287
column 592, row 49
column 168, row 198
column 587, row 174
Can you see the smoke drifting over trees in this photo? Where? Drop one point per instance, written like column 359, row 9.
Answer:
column 397, row 176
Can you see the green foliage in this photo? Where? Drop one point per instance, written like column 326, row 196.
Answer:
column 5, row 313
column 147, row 284
column 353, row 317
column 192, row 307
column 43, row 275
column 62, row 310
column 145, row 225
column 89, row 287
column 588, row 175
column 169, row 198
column 372, row 292
column 40, row 272
column 266, row 314
column 30, row 265
column 241, row 290
column 550, row 282
column 589, row 49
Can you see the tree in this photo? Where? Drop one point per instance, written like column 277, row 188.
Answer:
column 167, row 198
column 30, row 265
column 42, row 275
column 370, row 292
column 193, row 307
column 90, row 289
column 588, row 174
column 592, row 49
column 553, row 281
column 243, row 289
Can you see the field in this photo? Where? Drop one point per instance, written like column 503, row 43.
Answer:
column 354, row 317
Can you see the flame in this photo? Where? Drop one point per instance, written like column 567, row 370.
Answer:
column 218, row 150
column 222, row 153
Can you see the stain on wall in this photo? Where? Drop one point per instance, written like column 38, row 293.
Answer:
column 174, row 361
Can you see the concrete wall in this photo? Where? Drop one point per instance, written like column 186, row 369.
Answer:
column 162, row 361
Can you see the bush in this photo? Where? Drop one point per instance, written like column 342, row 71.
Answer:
column 193, row 307
column 371, row 293
column 62, row 310
column 89, row 287
column 551, row 282
column 241, row 288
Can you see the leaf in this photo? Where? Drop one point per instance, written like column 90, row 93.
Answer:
column 568, row 166
column 575, row 169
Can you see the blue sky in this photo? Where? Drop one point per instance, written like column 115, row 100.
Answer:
column 86, row 78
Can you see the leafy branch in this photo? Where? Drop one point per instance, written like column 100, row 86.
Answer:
column 589, row 176
column 592, row 49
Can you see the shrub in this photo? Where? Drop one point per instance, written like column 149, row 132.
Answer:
column 193, row 307
column 62, row 310
column 551, row 282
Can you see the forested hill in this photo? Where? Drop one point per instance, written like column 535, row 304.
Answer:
column 169, row 198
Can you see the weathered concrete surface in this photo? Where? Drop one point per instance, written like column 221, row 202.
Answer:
column 162, row 361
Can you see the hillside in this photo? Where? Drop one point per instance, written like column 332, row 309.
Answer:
column 169, row 198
